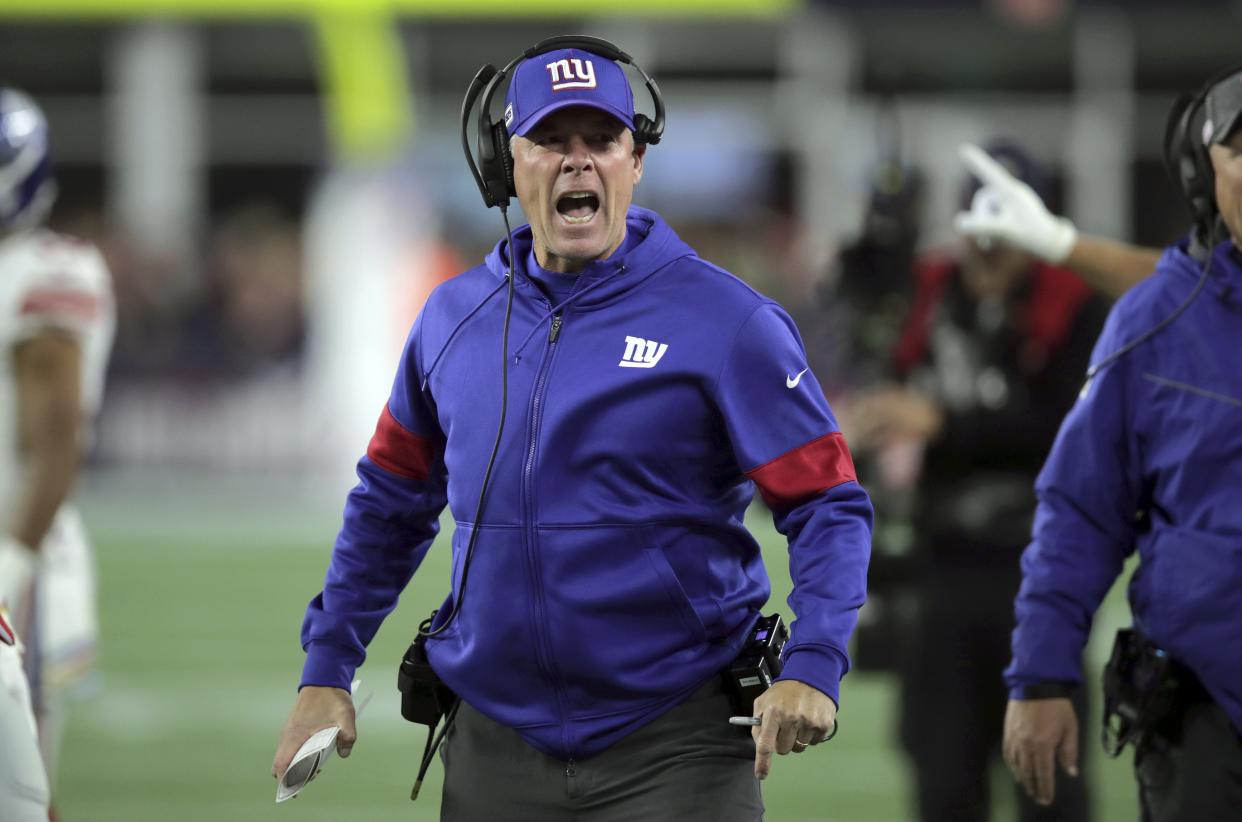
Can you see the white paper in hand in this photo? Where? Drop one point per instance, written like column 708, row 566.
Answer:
column 314, row 754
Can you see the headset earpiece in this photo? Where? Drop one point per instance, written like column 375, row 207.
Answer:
column 495, row 161
column 1188, row 162
column 644, row 130
column 500, row 138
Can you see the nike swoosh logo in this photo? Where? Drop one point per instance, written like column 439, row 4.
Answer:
column 792, row 382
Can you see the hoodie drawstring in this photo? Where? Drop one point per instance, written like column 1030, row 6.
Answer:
column 556, row 309
column 453, row 334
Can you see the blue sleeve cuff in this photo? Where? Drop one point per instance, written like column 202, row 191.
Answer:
column 328, row 665
column 819, row 666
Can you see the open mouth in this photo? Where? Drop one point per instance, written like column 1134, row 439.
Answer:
column 577, row 207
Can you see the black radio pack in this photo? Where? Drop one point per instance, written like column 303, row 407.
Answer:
column 758, row 664
column 1142, row 689
column 425, row 700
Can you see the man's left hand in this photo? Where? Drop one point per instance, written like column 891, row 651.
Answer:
column 795, row 716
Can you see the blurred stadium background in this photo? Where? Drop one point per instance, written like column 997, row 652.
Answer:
column 277, row 185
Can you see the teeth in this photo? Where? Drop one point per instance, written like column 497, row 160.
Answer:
column 577, row 201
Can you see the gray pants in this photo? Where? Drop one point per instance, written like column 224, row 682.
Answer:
column 1197, row 777
column 688, row 764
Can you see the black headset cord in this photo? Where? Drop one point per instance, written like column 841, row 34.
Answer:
column 500, row 428
column 434, row 739
column 429, row 750
column 1163, row 324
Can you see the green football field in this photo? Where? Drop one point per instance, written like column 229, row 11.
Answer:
column 203, row 585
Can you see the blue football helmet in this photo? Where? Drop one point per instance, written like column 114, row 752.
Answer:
column 26, row 186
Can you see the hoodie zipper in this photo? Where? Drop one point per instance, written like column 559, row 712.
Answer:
column 532, row 532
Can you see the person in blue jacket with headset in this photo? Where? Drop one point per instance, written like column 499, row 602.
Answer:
column 644, row 394
column 1150, row 459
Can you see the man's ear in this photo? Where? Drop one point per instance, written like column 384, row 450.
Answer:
column 640, row 151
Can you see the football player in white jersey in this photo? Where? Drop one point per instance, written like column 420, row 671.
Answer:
column 56, row 323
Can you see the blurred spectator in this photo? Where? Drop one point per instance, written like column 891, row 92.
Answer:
column 867, row 294
column 152, row 296
column 991, row 356
column 851, row 326
column 252, row 317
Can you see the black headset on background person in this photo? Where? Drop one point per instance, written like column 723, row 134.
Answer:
column 1188, row 162
column 494, row 171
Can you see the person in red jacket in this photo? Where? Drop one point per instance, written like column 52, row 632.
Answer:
column 990, row 358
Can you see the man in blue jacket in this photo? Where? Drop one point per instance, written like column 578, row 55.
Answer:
column 612, row 580
column 1150, row 458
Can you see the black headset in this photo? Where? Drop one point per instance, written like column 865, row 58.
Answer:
column 494, row 171
column 1188, row 163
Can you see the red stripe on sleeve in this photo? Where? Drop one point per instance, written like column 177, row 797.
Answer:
column 807, row 470
column 80, row 306
column 6, row 633
column 400, row 451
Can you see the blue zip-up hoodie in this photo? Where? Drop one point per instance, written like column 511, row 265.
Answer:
column 1150, row 458
column 612, row 575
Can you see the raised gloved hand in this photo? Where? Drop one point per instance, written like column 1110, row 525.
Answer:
column 17, row 569
column 1006, row 209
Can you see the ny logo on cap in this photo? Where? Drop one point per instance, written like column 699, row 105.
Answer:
column 571, row 73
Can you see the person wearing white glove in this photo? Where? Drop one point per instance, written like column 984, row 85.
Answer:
column 1008, row 211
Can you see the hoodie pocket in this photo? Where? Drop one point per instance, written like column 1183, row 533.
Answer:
column 460, row 539
column 676, row 594
column 621, row 629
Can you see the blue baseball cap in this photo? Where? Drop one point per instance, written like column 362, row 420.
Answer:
column 566, row 77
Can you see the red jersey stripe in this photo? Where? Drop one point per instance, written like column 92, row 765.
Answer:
column 400, row 451
column 80, row 305
column 807, row 470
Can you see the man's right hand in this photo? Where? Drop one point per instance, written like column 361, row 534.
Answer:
column 1039, row 734
column 316, row 708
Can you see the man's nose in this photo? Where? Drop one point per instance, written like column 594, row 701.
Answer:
column 577, row 155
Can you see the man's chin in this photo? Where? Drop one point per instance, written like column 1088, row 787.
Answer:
column 579, row 251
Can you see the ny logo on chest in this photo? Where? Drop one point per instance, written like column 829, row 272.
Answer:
column 640, row 353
